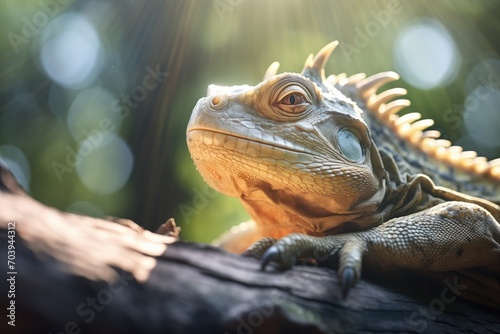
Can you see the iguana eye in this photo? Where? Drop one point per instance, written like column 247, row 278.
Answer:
column 350, row 145
column 293, row 99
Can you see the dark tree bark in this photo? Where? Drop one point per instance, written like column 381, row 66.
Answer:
column 194, row 288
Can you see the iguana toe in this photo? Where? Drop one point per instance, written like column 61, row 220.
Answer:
column 285, row 251
column 257, row 249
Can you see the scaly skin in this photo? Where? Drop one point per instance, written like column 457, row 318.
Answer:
column 314, row 169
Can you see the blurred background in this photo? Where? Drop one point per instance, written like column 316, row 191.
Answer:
column 95, row 96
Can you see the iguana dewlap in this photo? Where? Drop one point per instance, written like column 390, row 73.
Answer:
column 325, row 165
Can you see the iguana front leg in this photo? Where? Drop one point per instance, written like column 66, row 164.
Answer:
column 449, row 236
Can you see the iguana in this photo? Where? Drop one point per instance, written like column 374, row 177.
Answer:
column 325, row 165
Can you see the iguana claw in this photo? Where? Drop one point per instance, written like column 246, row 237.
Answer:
column 284, row 255
column 347, row 280
column 271, row 255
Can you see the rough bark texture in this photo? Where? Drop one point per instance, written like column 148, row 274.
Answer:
column 195, row 288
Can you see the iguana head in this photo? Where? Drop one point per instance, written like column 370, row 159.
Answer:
column 293, row 148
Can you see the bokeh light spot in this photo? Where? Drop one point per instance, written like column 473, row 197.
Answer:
column 90, row 114
column 485, row 73
column 70, row 50
column 482, row 115
column 105, row 165
column 426, row 55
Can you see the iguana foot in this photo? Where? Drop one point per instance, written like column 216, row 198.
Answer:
column 285, row 251
column 449, row 236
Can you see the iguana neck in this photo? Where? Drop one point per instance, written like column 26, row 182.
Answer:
column 409, row 193
column 412, row 161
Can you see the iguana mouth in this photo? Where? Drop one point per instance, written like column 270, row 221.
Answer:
column 249, row 139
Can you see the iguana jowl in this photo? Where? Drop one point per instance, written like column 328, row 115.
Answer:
column 326, row 165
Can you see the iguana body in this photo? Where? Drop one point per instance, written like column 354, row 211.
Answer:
column 328, row 166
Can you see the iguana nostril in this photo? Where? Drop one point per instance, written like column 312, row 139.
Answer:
column 218, row 102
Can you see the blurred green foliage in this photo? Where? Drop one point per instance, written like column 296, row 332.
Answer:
column 195, row 43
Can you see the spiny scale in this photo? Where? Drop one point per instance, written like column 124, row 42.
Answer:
column 375, row 101
column 408, row 127
column 370, row 85
column 317, row 64
column 271, row 71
